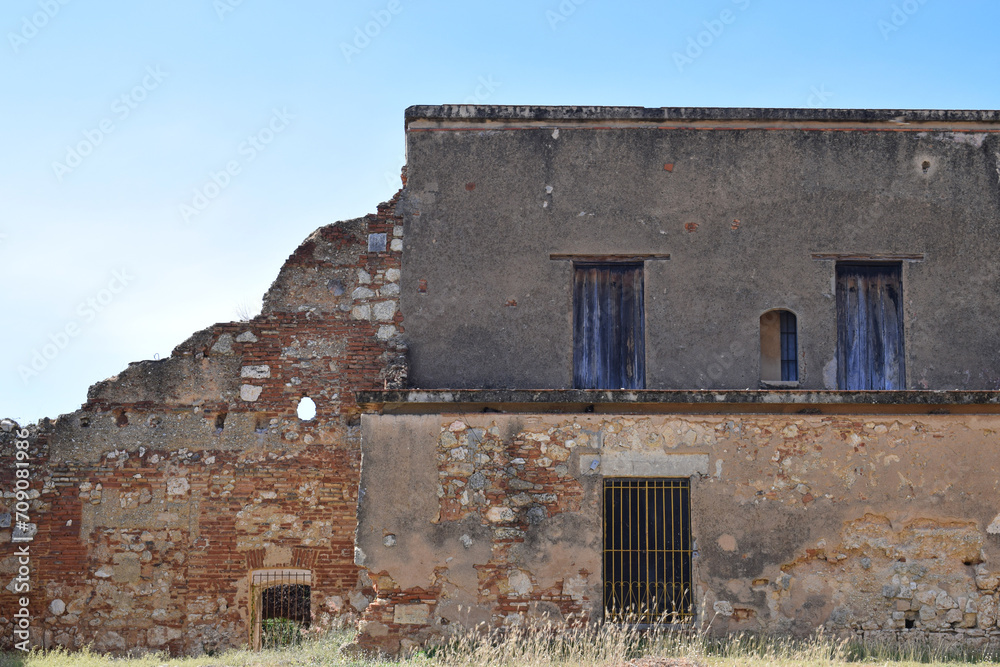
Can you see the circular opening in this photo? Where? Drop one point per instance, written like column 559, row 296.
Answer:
column 926, row 165
column 306, row 408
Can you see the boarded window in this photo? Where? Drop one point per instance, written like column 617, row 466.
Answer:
column 869, row 327
column 608, row 333
column 779, row 360
column 647, row 550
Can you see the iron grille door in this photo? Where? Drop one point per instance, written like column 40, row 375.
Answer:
column 647, row 550
column 608, row 332
column 870, row 327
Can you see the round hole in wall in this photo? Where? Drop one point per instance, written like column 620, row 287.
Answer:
column 926, row 166
column 306, row 408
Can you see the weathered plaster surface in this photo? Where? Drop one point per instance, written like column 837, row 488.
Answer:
column 859, row 524
column 740, row 200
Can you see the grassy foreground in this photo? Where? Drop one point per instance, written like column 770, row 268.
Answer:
column 547, row 644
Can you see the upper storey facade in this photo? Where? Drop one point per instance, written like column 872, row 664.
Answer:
column 611, row 247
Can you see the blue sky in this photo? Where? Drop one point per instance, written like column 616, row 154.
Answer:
column 116, row 116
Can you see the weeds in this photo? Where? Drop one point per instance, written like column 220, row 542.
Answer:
column 544, row 643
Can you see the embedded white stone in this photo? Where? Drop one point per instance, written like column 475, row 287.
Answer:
column 262, row 371
column 392, row 275
column 362, row 293
column 224, row 345
column 361, row 312
column 520, row 582
column 248, row 392
column 500, row 514
column 723, row 607
column 385, row 332
column 385, row 310
column 396, row 245
column 364, row 277
column 177, row 486
column 246, row 337
column 57, row 607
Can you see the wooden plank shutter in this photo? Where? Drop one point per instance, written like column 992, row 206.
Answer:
column 870, row 327
column 608, row 333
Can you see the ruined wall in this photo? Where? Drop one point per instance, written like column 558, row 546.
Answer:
column 177, row 477
column 859, row 524
column 739, row 200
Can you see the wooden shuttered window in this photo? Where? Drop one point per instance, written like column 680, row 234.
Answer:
column 870, row 327
column 608, row 331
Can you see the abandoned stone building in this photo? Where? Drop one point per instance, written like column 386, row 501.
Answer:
column 720, row 366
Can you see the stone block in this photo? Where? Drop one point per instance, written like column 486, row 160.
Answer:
column 385, row 310
column 127, row 567
column 653, row 464
column 250, row 393
column 411, row 614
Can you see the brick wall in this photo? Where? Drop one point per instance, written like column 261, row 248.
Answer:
column 177, row 477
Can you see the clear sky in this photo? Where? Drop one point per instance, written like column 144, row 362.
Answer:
column 160, row 160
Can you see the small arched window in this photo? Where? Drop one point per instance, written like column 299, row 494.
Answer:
column 779, row 347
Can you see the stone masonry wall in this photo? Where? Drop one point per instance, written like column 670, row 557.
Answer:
column 862, row 525
column 154, row 501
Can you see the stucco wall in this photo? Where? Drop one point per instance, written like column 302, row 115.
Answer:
column 492, row 192
column 860, row 524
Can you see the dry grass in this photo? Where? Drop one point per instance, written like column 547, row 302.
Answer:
column 547, row 644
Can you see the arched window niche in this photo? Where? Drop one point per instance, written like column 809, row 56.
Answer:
column 779, row 348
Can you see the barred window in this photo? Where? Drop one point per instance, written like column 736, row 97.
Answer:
column 280, row 607
column 647, row 551
column 779, row 355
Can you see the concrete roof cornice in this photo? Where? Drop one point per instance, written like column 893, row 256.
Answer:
column 457, row 116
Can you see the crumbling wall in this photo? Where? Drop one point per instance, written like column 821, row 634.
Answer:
column 862, row 525
column 177, row 477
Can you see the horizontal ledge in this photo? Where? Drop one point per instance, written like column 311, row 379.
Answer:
column 527, row 113
column 639, row 257
column 869, row 257
column 705, row 401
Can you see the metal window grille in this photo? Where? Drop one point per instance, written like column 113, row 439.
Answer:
column 280, row 607
column 647, row 551
column 789, row 347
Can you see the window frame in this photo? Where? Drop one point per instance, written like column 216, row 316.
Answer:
column 780, row 359
column 890, row 273
column 683, row 556
column 622, row 325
